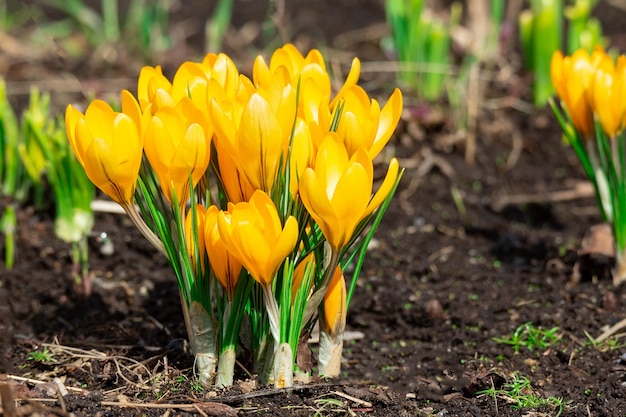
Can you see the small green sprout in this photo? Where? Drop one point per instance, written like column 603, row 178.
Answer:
column 521, row 395
column 530, row 337
column 41, row 356
column 196, row 386
column 608, row 344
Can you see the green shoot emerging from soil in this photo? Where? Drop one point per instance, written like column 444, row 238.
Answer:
column 521, row 395
column 530, row 337
column 41, row 356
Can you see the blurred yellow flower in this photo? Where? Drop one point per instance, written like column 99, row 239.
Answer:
column 253, row 233
column 223, row 264
column 337, row 191
column 178, row 147
column 608, row 94
column 108, row 145
column 572, row 77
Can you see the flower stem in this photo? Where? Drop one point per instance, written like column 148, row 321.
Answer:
column 619, row 273
column 136, row 218
column 283, row 366
column 272, row 312
column 201, row 332
column 331, row 350
column 225, row 368
column 317, row 297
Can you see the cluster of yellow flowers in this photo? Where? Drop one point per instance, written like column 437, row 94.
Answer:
column 592, row 113
column 293, row 166
column 591, row 85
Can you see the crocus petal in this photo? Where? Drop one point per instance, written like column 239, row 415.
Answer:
column 224, row 265
column 385, row 187
column 260, row 144
column 283, row 246
column 317, row 203
column 330, row 162
column 72, row 116
column 335, row 309
column 556, row 73
column 389, row 117
column 351, row 197
column 351, row 79
column 267, row 214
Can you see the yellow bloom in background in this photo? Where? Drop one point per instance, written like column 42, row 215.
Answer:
column 572, row 77
column 192, row 81
column 153, row 88
column 337, row 191
column 223, row 264
column 297, row 66
column 109, row 146
column 198, row 231
column 363, row 124
column 253, row 233
column 608, row 94
column 310, row 74
column 215, row 76
column 335, row 308
column 178, row 147
column 224, row 71
column 306, row 73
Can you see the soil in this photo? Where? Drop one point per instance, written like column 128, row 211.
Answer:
column 466, row 254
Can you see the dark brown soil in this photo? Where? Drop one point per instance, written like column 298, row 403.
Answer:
column 454, row 266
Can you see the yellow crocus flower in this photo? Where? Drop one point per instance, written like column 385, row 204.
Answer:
column 337, row 191
column 224, row 71
column 363, row 124
column 607, row 94
column 297, row 66
column 108, row 145
column 257, row 137
column 309, row 73
column 253, row 233
column 223, row 264
column 572, row 77
column 216, row 75
column 177, row 146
